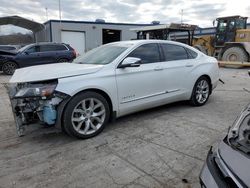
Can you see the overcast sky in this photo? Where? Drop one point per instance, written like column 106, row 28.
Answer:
column 199, row 12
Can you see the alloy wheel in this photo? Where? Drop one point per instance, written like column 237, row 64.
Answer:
column 202, row 91
column 88, row 116
column 9, row 68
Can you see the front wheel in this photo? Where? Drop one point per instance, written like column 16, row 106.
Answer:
column 201, row 92
column 85, row 115
column 9, row 67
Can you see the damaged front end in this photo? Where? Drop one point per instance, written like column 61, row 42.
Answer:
column 239, row 134
column 35, row 102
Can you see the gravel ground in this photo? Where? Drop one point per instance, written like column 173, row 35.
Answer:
column 161, row 147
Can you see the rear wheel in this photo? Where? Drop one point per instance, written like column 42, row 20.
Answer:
column 86, row 115
column 235, row 54
column 9, row 67
column 201, row 92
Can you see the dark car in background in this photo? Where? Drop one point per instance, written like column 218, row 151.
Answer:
column 35, row 54
column 228, row 163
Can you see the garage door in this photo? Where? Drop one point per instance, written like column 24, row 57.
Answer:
column 75, row 39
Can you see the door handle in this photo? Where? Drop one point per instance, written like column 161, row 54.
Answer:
column 158, row 68
column 189, row 65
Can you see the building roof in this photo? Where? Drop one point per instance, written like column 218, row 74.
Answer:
column 231, row 17
column 22, row 22
column 89, row 22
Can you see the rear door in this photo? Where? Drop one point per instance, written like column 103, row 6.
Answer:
column 177, row 66
column 48, row 54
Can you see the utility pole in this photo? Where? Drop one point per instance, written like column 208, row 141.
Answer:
column 60, row 14
column 60, row 17
column 47, row 17
column 181, row 15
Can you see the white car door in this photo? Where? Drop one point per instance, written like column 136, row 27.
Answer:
column 139, row 87
column 178, row 64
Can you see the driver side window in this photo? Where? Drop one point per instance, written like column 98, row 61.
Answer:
column 32, row 49
column 148, row 53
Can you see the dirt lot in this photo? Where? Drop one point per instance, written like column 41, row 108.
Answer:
column 161, row 147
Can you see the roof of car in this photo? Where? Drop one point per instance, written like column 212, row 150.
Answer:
column 46, row 43
column 134, row 42
column 140, row 42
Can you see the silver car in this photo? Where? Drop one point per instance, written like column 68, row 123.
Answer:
column 228, row 164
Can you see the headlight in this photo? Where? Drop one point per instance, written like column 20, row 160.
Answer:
column 36, row 90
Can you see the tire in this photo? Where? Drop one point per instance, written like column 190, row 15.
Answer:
column 201, row 92
column 235, row 54
column 86, row 115
column 63, row 60
column 9, row 67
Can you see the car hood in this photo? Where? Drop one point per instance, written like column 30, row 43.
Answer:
column 52, row 71
column 11, row 53
column 236, row 161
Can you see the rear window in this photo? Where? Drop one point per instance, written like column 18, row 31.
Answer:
column 192, row 54
column 173, row 52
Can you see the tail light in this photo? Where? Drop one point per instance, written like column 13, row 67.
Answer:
column 74, row 53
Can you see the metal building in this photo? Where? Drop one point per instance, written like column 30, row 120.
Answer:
column 83, row 35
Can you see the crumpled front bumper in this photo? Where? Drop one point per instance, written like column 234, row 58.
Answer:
column 210, row 176
column 27, row 111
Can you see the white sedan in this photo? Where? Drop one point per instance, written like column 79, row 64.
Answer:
column 111, row 81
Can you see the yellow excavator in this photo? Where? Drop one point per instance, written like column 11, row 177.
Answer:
column 231, row 41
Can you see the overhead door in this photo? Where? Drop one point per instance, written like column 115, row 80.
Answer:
column 75, row 39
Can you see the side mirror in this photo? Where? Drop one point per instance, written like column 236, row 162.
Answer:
column 130, row 62
column 26, row 53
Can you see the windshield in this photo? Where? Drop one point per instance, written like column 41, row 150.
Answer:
column 24, row 48
column 101, row 55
